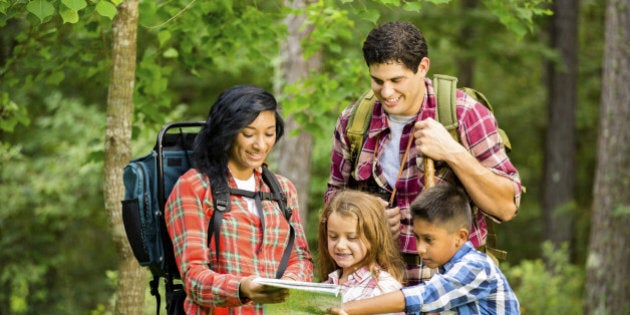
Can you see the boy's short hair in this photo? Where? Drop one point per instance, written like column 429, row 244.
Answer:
column 445, row 205
column 395, row 41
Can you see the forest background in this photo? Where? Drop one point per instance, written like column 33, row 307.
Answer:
column 86, row 85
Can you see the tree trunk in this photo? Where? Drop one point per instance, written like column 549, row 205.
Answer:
column 607, row 267
column 294, row 153
column 131, row 277
column 466, row 63
column 560, row 147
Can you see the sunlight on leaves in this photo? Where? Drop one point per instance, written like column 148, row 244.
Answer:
column 106, row 9
column 75, row 5
column 42, row 9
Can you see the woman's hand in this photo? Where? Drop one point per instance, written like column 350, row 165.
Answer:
column 260, row 293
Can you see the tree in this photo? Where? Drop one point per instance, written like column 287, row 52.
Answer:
column 296, row 66
column 560, row 146
column 131, row 284
column 607, row 268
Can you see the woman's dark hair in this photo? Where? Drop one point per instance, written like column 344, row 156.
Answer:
column 234, row 110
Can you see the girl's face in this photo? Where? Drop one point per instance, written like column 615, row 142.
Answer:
column 344, row 244
column 252, row 145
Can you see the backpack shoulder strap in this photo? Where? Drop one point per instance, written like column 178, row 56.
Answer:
column 279, row 195
column 359, row 122
column 276, row 191
column 445, row 87
column 221, row 204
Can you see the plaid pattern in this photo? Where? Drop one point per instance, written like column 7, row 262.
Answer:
column 361, row 285
column 211, row 287
column 470, row 283
column 478, row 133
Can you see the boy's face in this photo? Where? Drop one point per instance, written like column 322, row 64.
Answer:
column 400, row 90
column 436, row 246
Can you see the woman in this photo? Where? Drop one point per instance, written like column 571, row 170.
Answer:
column 241, row 129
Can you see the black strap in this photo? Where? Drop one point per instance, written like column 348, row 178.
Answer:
column 221, row 202
column 155, row 283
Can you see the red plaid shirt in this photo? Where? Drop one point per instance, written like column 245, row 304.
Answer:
column 478, row 133
column 211, row 287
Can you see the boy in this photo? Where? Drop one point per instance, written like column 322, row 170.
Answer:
column 468, row 281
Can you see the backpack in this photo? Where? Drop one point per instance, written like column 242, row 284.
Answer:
column 148, row 182
column 445, row 87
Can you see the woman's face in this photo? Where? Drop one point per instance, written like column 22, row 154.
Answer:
column 252, row 145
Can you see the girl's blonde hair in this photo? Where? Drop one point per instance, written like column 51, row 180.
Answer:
column 383, row 252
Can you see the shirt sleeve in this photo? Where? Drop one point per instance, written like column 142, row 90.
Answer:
column 340, row 161
column 300, row 265
column 186, row 223
column 465, row 283
column 478, row 130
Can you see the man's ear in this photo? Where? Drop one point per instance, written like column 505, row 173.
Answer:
column 423, row 66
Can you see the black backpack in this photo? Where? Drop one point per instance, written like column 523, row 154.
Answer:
column 148, row 182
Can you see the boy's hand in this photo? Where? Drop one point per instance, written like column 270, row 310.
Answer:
column 336, row 311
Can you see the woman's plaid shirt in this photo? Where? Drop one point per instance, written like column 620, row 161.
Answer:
column 246, row 249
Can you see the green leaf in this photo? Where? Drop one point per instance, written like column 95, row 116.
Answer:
column 412, row 6
column 55, row 78
column 371, row 15
column 163, row 37
column 106, row 9
column 170, row 53
column 69, row 15
column 41, row 9
column 75, row 5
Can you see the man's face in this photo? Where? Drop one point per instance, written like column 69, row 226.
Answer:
column 399, row 89
column 436, row 246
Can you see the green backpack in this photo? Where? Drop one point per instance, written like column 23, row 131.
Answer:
column 445, row 87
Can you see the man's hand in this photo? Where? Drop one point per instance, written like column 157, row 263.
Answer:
column 393, row 217
column 434, row 141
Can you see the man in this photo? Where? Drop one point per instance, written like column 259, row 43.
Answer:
column 397, row 58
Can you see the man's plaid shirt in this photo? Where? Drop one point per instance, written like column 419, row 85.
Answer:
column 478, row 134
column 245, row 248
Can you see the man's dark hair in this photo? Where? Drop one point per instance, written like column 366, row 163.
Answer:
column 234, row 110
column 445, row 205
column 395, row 41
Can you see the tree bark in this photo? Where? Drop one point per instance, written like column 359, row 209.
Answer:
column 131, row 277
column 466, row 64
column 560, row 146
column 607, row 267
column 293, row 154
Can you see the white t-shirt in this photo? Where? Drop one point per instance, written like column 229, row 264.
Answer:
column 249, row 185
column 390, row 160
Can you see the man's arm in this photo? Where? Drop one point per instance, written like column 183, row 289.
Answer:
column 492, row 193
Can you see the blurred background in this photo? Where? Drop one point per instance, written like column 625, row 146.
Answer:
column 539, row 62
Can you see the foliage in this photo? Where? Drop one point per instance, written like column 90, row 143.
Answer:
column 549, row 286
column 54, row 233
column 54, row 63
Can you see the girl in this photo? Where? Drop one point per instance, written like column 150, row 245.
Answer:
column 356, row 247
